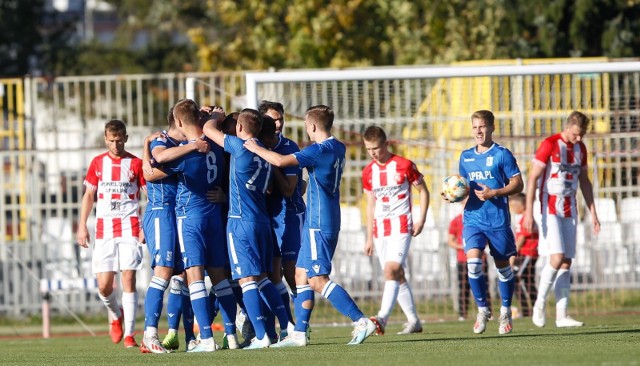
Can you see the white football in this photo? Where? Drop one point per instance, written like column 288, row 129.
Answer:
column 455, row 188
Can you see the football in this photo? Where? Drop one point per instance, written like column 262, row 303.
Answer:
column 455, row 188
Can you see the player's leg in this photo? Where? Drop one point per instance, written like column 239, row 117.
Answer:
column 563, row 278
column 551, row 233
column 130, row 258
column 174, row 311
column 475, row 242
column 109, row 298
column 502, row 245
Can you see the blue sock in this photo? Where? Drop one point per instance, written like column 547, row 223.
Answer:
column 237, row 292
column 272, row 298
column 200, row 304
column 341, row 300
column 269, row 321
column 187, row 315
column 477, row 281
column 253, row 304
column 304, row 293
column 506, row 284
column 286, row 300
column 213, row 301
column 153, row 301
column 227, row 302
column 174, row 303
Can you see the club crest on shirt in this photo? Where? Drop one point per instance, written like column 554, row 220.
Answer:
column 316, row 268
column 131, row 175
column 157, row 258
column 169, row 256
column 489, row 160
column 399, row 178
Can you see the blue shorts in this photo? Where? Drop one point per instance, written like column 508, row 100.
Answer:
column 287, row 236
column 161, row 235
column 250, row 247
column 316, row 251
column 502, row 243
column 202, row 241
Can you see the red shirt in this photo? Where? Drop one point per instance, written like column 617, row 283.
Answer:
column 562, row 162
column 455, row 228
column 118, row 183
column 390, row 184
column 530, row 246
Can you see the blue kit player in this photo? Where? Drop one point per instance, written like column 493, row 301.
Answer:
column 493, row 175
column 249, row 236
column 324, row 160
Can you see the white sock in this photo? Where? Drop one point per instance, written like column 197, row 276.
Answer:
column 405, row 300
column 111, row 302
column 563, row 287
column 150, row 331
column 505, row 310
column 547, row 277
column 129, row 305
column 389, row 296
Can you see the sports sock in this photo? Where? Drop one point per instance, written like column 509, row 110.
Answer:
column 304, row 294
column 214, row 305
column 273, row 300
column 253, row 303
column 477, row 281
column 174, row 302
column 111, row 302
column 187, row 314
column 200, row 304
column 286, row 300
column 153, row 302
column 227, row 302
column 341, row 300
column 389, row 296
column 406, row 302
column 547, row 277
column 563, row 287
column 129, row 306
column 506, row 284
column 237, row 292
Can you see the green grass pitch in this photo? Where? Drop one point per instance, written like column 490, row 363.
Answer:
column 605, row 340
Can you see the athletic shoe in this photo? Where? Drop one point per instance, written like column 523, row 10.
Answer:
column 538, row 317
column 505, row 324
column 246, row 328
column 379, row 322
column 205, row 345
column 411, row 328
column 294, row 339
column 481, row 322
column 284, row 333
column 192, row 344
column 307, row 334
column 568, row 322
column 361, row 331
column 130, row 342
column 230, row 341
column 259, row 343
column 171, row 341
column 115, row 331
column 152, row 345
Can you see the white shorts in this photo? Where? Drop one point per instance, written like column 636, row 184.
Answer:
column 393, row 248
column 557, row 235
column 116, row 254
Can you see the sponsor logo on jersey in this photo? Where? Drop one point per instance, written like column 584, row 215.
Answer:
column 466, row 160
column 479, row 175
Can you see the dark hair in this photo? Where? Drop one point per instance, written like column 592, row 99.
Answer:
column 251, row 120
column 484, row 115
column 579, row 119
column 321, row 115
column 187, row 111
column 170, row 118
column 268, row 128
column 374, row 133
column 265, row 105
column 115, row 127
column 229, row 122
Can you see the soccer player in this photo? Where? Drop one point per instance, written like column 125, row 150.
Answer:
column 387, row 181
column 559, row 167
column 248, row 227
column 493, row 175
column 324, row 160
column 161, row 235
column 114, row 180
column 285, row 203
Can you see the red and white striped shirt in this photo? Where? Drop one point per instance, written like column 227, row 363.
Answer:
column 563, row 162
column 391, row 186
column 118, row 183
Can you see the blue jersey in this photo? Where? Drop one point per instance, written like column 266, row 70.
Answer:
column 493, row 168
column 324, row 162
column 199, row 173
column 281, row 207
column 162, row 193
column 248, row 182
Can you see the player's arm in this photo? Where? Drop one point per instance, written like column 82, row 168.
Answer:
column 210, row 128
column 453, row 238
column 520, row 240
column 82, row 235
column 371, row 207
column 425, row 197
column 514, row 186
column 534, row 174
column 286, row 183
column 587, row 192
column 272, row 157
column 167, row 155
